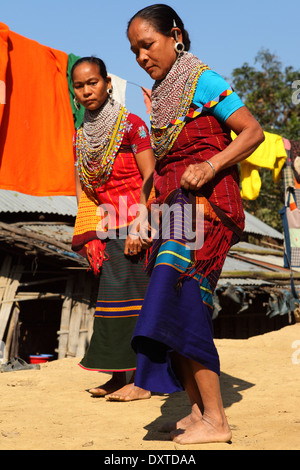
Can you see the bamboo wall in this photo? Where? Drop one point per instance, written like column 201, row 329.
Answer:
column 76, row 292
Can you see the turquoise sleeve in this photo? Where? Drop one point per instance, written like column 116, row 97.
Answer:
column 210, row 86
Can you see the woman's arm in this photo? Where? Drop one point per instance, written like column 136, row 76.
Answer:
column 146, row 163
column 77, row 186
column 249, row 136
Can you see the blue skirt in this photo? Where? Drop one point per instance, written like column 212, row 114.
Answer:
column 173, row 319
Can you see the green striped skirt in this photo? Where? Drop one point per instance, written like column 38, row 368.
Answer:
column 122, row 287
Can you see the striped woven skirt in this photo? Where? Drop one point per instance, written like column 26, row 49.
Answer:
column 173, row 320
column 177, row 309
column 122, row 287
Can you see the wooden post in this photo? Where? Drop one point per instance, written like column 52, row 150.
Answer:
column 9, row 293
column 65, row 319
column 9, row 351
column 75, row 323
column 85, row 314
column 4, row 275
column 76, row 315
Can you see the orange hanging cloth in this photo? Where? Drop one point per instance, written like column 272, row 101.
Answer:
column 36, row 121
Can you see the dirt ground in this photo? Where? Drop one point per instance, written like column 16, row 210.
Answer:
column 50, row 409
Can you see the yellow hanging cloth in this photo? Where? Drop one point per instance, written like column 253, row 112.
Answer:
column 271, row 155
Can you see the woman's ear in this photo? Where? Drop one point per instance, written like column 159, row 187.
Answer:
column 108, row 82
column 177, row 34
column 179, row 46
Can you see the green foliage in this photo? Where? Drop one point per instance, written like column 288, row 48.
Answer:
column 267, row 91
column 269, row 202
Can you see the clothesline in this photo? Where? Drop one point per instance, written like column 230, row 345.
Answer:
column 49, row 114
column 147, row 96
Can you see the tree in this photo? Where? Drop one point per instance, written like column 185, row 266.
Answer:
column 268, row 93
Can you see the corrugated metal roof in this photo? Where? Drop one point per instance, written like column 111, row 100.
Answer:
column 12, row 201
column 244, row 282
column 253, row 265
column 62, row 233
column 254, row 225
column 247, row 260
column 251, row 247
column 39, row 238
column 232, row 264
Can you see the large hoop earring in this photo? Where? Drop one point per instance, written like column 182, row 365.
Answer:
column 179, row 47
column 76, row 103
column 110, row 93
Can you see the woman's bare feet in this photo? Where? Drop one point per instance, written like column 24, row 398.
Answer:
column 128, row 393
column 117, row 381
column 203, row 431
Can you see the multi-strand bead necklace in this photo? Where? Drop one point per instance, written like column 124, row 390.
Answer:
column 97, row 143
column 171, row 99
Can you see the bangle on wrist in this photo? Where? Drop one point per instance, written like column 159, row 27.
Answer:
column 134, row 234
column 211, row 165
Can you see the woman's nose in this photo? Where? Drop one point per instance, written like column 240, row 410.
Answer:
column 143, row 57
column 86, row 90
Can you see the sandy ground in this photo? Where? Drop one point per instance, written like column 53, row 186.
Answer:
column 49, row 409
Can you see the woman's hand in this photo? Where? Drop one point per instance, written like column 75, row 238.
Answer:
column 138, row 234
column 133, row 245
column 138, row 239
column 145, row 230
column 249, row 136
column 195, row 176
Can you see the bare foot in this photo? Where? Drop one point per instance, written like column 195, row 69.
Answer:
column 203, row 431
column 109, row 387
column 129, row 393
column 183, row 423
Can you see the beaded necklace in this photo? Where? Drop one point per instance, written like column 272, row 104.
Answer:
column 95, row 163
column 194, row 113
column 171, row 99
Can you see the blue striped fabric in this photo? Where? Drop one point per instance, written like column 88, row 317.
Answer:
column 175, row 254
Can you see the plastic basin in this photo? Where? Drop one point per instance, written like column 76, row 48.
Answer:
column 40, row 358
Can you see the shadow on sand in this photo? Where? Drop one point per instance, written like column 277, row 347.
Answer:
column 177, row 406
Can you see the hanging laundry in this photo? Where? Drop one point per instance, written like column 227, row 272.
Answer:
column 78, row 111
column 119, row 88
column 271, row 154
column 290, row 213
column 290, row 216
column 291, row 170
column 295, row 161
column 36, row 124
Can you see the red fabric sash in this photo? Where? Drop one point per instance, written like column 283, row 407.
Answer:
column 199, row 140
column 224, row 216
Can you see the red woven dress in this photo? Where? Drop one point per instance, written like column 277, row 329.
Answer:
column 122, row 279
column 177, row 309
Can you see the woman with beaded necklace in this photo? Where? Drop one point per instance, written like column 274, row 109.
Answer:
column 193, row 113
column 114, row 169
